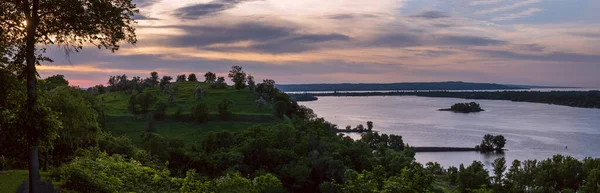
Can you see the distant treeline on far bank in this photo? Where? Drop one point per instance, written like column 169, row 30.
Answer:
column 585, row 99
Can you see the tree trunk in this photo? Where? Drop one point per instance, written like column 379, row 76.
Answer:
column 30, row 71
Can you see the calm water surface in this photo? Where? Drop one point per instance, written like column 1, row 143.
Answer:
column 533, row 131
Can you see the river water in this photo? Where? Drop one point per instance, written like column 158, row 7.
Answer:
column 532, row 130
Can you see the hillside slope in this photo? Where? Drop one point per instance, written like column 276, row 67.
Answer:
column 245, row 112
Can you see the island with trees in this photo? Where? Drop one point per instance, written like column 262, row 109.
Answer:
column 471, row 107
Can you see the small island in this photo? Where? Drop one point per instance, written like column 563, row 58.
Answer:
column 464, row 108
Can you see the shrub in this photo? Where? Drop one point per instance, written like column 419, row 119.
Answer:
column 223, row 108
column 160, row 110
column 96, row 171
column 200, row 113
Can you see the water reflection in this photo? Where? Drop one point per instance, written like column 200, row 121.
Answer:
column 533, row 131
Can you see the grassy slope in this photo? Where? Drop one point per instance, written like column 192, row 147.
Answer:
column 121, row 122
column 10, row 180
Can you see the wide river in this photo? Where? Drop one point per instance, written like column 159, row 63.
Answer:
column 532, row 130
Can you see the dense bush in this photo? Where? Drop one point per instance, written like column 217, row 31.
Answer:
column 200, row 113
column 224, row 110
column 160, row 110
column 96, row 171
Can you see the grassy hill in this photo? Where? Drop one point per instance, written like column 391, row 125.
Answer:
column 120, row 121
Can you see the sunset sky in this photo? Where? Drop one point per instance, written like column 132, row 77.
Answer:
column 539, row 42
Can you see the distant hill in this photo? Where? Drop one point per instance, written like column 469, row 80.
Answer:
column 395, row 86
column 534, row 86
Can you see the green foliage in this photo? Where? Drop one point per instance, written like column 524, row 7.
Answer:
column 499, row 169
column 192, row 183
column 79, row 120
column 473, row 177
column 224, row 110
column 373, row 140
column 251, row 83
column 192, row 78
column 238, row 77
column 160, row 110
column 181, row 78
column 140, row 103
column 492, row 143
column 164, row 81
column 200, row 113
column 95, row 171
column 219, row 84
column 54, row 81
column 210, row 77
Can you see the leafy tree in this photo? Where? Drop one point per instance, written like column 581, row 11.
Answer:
column 140, row 103
column 238, row 77
column 153, row 80
column 492, row 143
column 369, row 125
column 192, row 183
column 499, row 169
column 200, row 113
column 267, row 89
column 192, row 77
column 514, row 181
column 223, row 109
column 181, row 78
column 80, row 128
column 473, row 177
column 199, row 92
column 54, row 81
column 499, row 141
column 26, row 24
column 210, row 77
column 267, row 183
column 355, row 182
column 165, row 81
column 251, row 83
column 219, row 84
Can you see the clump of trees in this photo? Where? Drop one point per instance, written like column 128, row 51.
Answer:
column 464, row 108
column 556, row 174
column 359, row 128
column 238, row 77
column 181, row 78
column 491, row 143
column 219, row 84
column 192, row 78
column 139, row 103
column 210, row 77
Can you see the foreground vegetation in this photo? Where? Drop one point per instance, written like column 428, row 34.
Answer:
column 189, row 139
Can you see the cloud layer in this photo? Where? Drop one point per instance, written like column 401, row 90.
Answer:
column 315, row 41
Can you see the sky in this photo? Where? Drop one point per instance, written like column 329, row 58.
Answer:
column 536, row 42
